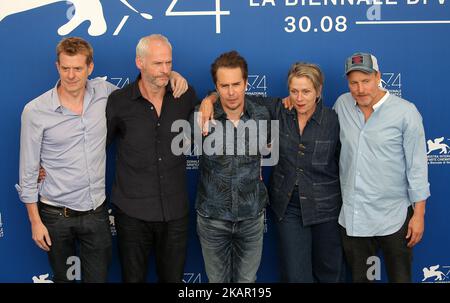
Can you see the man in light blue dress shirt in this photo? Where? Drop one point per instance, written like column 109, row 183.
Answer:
column 383, row 173
column 64, row 131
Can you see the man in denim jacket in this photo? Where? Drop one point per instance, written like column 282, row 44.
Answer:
column 231, row 195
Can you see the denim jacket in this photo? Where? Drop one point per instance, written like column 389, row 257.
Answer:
column 230, row 187
column 310, row 160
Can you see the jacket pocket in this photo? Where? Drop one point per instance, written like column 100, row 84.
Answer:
column 277, row 181
column 321, row 153
column 327, row 195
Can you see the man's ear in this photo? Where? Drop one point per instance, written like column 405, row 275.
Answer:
column 139, row 63
column 378, row 76
column 90, row 68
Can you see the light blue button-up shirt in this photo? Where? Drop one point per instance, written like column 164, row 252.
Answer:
column 70, row 147
column 383, row 165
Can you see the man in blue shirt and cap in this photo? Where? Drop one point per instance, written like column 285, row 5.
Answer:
column 383, row 173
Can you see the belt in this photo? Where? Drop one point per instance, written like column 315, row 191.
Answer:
column 68, row 212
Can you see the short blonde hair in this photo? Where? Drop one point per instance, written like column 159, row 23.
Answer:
column 308, row 70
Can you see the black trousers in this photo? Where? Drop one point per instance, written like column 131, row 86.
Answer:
column 397, row 255
column 137, row 238
column 86, row 236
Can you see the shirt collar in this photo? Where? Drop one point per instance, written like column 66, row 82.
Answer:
column 318, row 112
column 219, row 112
column 382, row 100
column 136, row 92
column 56, row 103
column 379, row 103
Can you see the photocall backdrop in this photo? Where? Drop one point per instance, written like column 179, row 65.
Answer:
column 410, row 38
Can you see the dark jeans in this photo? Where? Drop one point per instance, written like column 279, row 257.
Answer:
column 136, row 238
column 231, row 250
column 309, row 253
column 397, row 255
column 88, row 234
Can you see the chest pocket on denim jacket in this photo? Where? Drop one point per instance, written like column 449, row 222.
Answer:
column 321, row 153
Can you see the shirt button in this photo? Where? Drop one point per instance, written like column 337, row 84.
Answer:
column 151, row 108
column 159, row 159
column 158, row 124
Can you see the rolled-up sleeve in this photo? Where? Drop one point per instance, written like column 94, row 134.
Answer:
column 416, row 157
column 30, row 149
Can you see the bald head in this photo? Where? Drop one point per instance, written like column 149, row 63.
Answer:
column 145, row 42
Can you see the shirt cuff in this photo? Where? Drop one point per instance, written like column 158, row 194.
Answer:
column 419, row 194
column 27, row 196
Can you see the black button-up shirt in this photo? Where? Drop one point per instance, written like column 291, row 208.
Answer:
column 150, row 182
column 230, row 187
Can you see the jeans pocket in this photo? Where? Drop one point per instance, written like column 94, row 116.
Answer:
column 50, row 217
column 101, row 215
